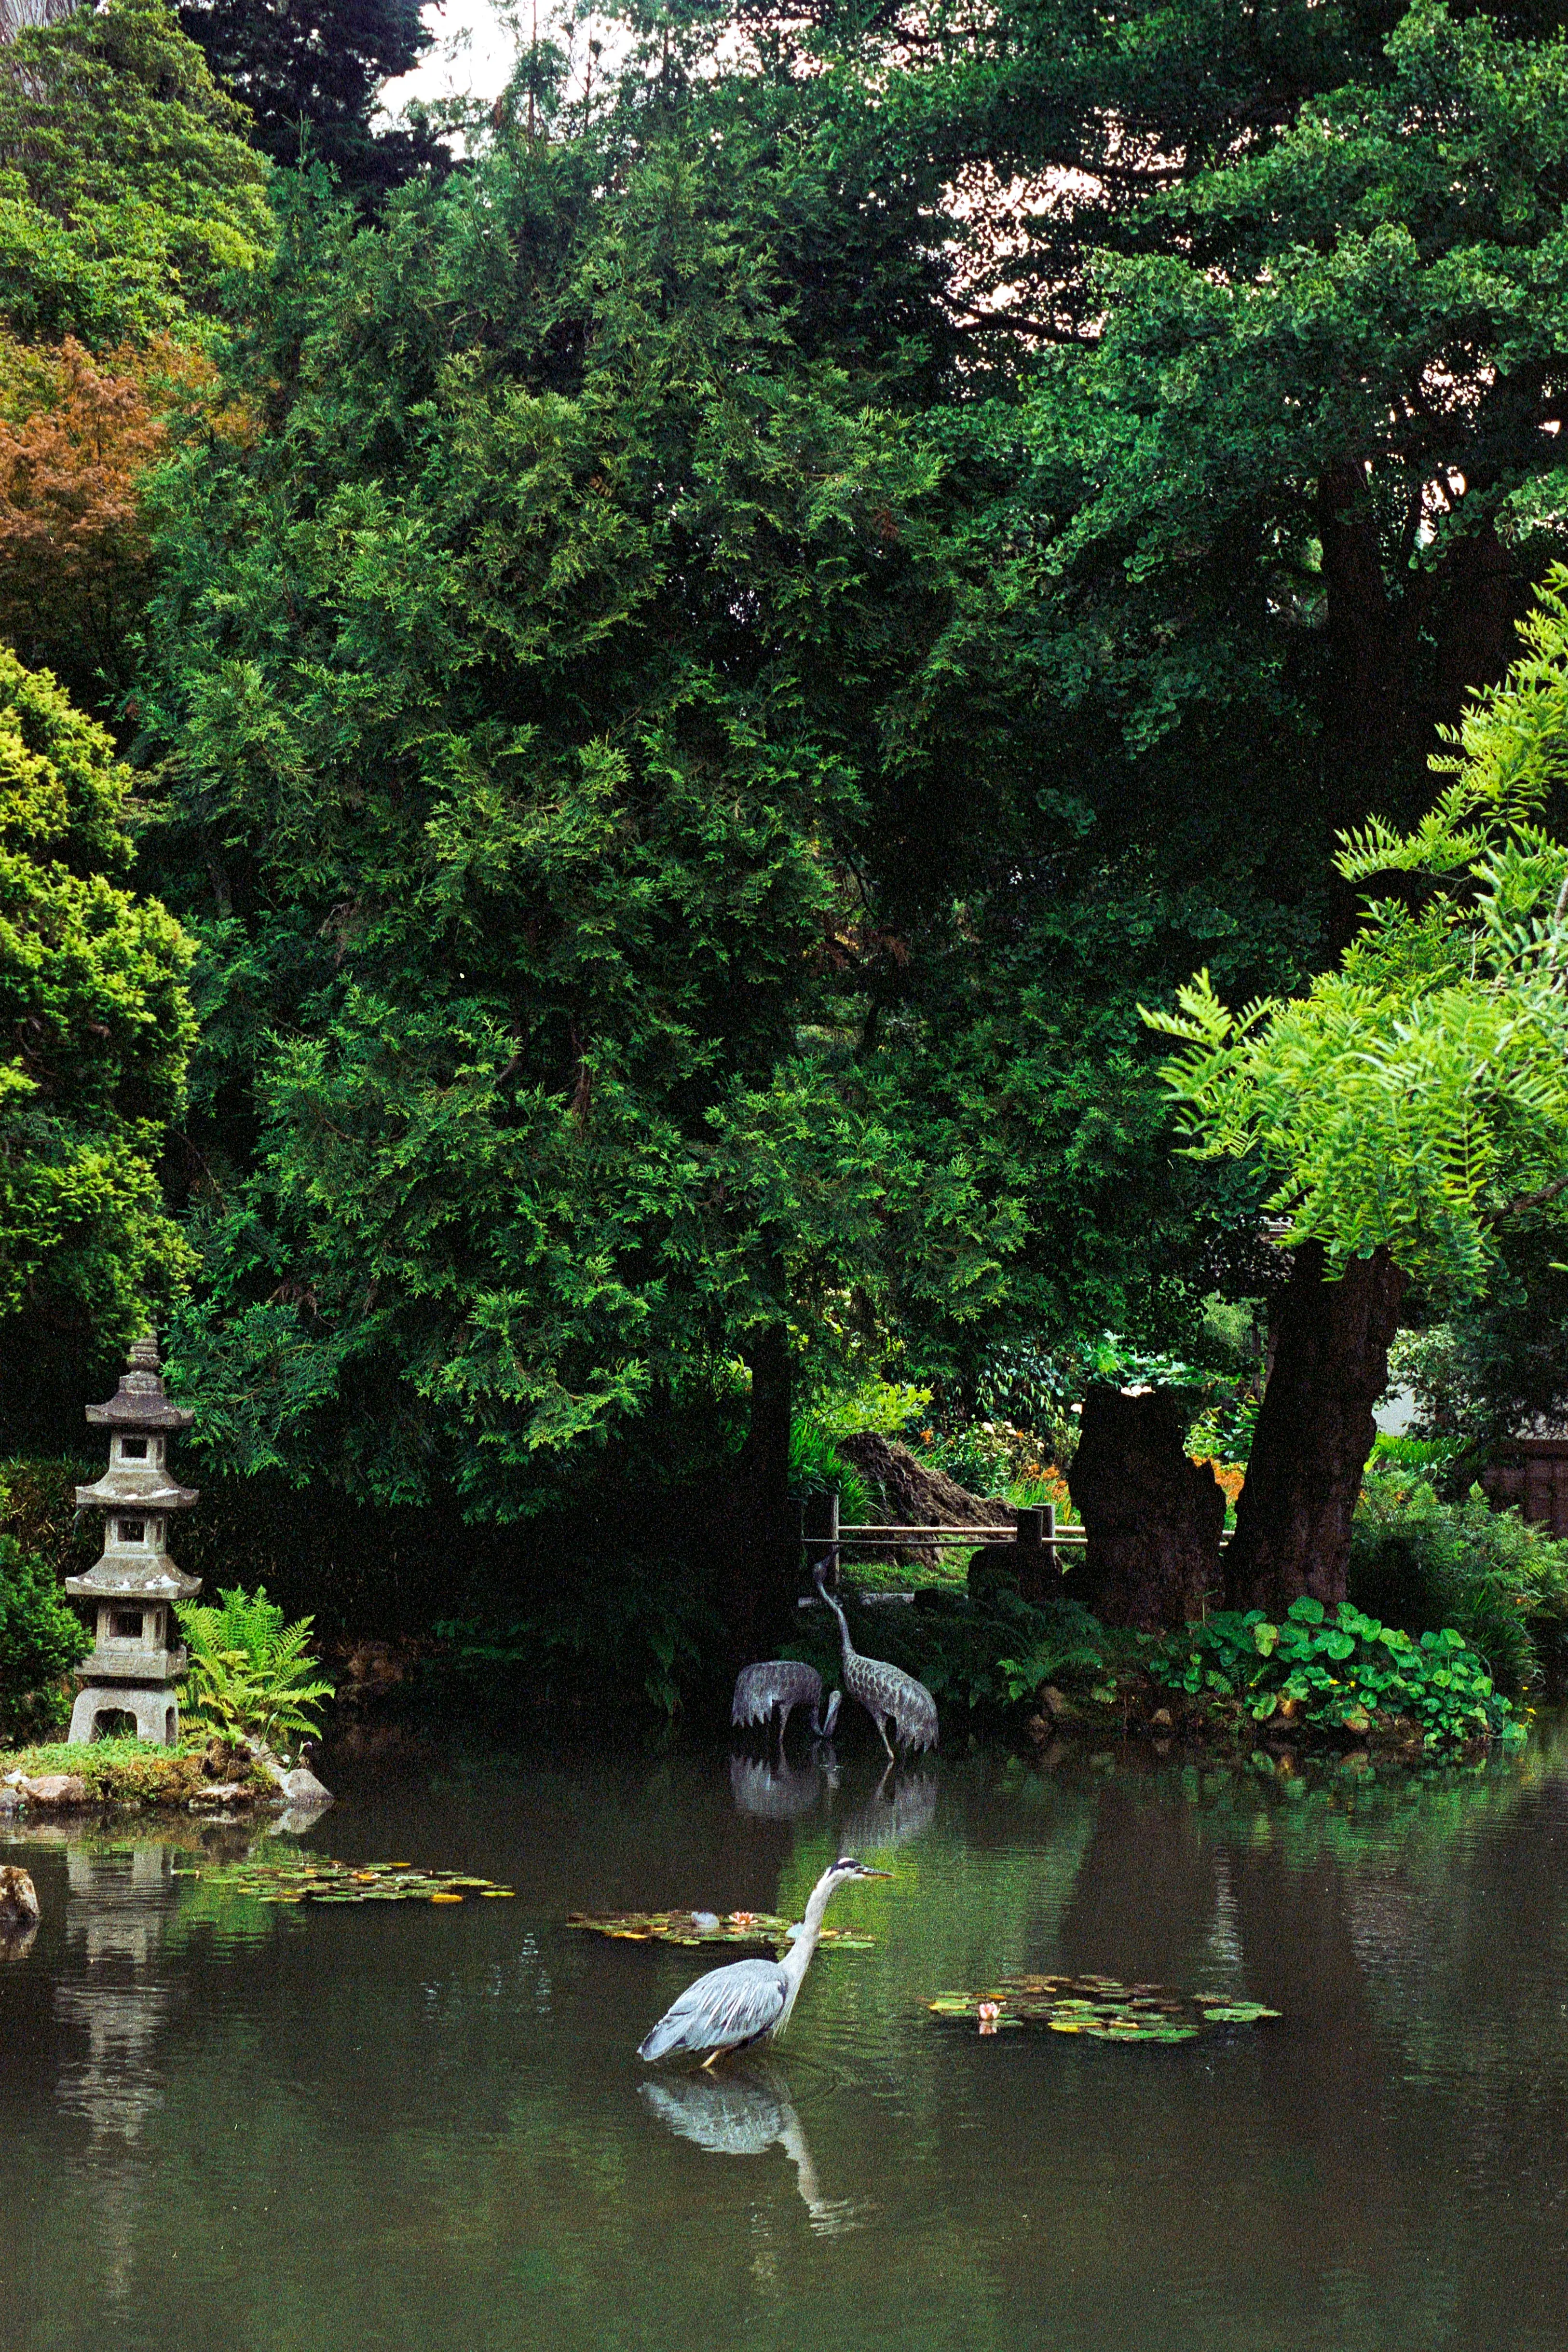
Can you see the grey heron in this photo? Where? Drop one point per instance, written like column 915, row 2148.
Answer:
column 770, row 1691
column 751, row 2001
column 887, row 1694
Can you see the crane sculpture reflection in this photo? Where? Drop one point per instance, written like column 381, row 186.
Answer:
column 887, row 1694
column 751, row 2001
column 770, row 1691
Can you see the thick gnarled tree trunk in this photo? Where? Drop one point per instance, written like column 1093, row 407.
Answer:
column 1153, row 1517
column 1314, row 1432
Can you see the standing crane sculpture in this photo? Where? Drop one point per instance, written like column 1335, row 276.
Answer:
column 887, row 1694
column 770, row 1692
column 751, row 2001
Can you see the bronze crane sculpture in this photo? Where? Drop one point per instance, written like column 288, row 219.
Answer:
column 887, row 1694
column 770, row 1691
column 729, row 2008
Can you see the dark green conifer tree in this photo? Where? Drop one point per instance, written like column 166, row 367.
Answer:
column 310, row 71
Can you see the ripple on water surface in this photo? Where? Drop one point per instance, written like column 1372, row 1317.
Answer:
column 288, row 2128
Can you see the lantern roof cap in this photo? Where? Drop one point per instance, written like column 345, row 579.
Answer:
column 140, row 1402
column 129, row 1486
column 151, row 1579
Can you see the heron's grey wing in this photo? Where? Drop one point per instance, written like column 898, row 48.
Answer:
column 916, row 1716
column 754, row 1695
column 721, row 2010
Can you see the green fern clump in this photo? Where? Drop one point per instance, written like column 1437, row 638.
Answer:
column 250, row 1674
column 817, row 1468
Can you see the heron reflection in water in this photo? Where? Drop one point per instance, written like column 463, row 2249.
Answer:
column 774, row 1789
column 902, row 1807
column 744, row 2113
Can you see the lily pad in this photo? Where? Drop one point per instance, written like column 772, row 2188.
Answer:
column 752, row 1927
column 321, row 1881
column 1097, row 2007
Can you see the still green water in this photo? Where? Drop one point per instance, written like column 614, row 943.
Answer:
column 412, row 2128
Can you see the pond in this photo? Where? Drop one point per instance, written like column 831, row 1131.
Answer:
column 407, row 2126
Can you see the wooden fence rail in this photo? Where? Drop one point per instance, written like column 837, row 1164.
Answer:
column 1035, row 1524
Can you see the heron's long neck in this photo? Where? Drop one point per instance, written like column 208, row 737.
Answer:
column 846, row 1647
column 798, row 1958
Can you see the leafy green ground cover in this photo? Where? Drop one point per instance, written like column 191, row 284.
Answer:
column 1339, row 1678
column 1335, row 1673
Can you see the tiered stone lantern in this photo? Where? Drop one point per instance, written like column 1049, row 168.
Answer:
column 137, row 1658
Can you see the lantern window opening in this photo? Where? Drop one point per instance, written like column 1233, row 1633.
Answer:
column 126, row 1624
column 133, row 1531
column 133, row 1449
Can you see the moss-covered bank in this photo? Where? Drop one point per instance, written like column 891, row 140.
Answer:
column 129, row 1773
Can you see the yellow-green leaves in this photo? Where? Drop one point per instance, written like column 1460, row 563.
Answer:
column 95, row 1031
column 1418, row 1097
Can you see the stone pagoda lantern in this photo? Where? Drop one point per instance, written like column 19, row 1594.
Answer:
column 136, row 1657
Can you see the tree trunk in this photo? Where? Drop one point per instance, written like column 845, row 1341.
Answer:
column 1478, row 639
column 759, row 1532
column 1314, row 1432
column 1153, row 1516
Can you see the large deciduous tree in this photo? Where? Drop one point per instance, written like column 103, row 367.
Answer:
column 78, row 437
column 1408, row 1107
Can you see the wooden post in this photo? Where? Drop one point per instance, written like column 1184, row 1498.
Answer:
column 1034, row 1542
column 820, row 1529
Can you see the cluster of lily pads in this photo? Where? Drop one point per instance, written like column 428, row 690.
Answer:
column 319, row 1880
column 1098, row 2007
column 709, row 1927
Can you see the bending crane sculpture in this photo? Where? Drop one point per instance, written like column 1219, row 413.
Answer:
column 729, row 2008
column 887, row 1694
column 773, row 1689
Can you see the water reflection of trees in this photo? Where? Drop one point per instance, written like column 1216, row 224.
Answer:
column 439, row 2138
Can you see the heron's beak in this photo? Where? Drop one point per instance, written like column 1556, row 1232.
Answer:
column 863, row 1873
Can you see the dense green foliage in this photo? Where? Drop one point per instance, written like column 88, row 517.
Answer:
column 41, row 1637
column 126, row 192
column 700, row 667
column 523, row 876
column 1343, row 1672
column 1416, row 1098
column 986, row 1656
column 1502, row 1582
column 96, row 1028
column 308, row 72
